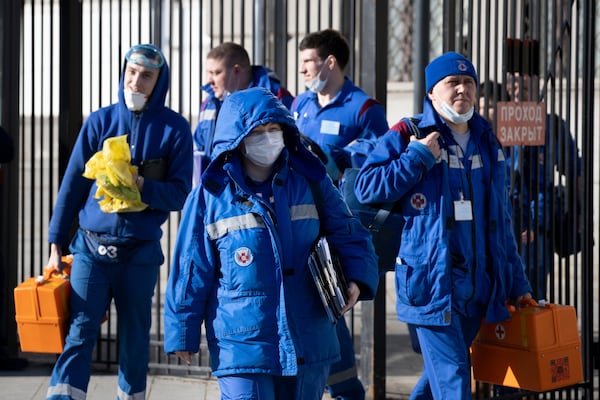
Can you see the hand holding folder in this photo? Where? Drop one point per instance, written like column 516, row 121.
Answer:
column 329, row 279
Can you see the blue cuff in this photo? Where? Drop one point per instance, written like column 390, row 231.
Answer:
column 424, row 153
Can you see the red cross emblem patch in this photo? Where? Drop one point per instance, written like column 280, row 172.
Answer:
column 500, row 332
column 243, row 256
column 418, row 201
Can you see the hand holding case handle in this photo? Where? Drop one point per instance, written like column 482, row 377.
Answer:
column 50, row 272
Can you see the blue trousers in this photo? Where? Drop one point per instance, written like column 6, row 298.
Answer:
column 93, row 285
column 308, row 385
column 446, row 364
column 343, row 382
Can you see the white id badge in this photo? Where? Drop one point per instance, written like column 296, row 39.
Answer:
column 330, row 127
column 463, row 210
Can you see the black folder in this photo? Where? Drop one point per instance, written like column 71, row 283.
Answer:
column 329, row 278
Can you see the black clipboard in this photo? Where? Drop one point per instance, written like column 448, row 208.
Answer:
column 329, row 278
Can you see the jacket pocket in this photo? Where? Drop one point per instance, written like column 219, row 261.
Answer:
column 412, row 283
column 247, row 261
column 247, row 316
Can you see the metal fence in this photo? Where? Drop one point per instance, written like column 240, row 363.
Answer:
column 552, row 43
column 70, row 58
column 63, row 59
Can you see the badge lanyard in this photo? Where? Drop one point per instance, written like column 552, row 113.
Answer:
column 463, row 209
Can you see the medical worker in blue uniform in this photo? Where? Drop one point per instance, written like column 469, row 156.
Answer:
column 534, row 168
column 240, row 260
column 117, row 255
column 340, row 118
column 334, row 112
column 228, row 70
column 458, row 260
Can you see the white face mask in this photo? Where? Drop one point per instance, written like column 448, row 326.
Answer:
column 134, row 101
column 317, row 84
column 453, row 116
column 264, row 149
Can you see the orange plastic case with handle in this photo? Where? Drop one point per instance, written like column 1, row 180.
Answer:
column 537, row 349
column 42, row 310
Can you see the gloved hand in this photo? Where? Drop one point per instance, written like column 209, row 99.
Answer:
column 111, row 168
column 117, row 198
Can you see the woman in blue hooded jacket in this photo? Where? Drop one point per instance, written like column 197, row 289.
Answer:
column 458, row 260
column 240, row 261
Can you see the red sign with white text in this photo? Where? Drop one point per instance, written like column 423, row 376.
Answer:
column 521, row 123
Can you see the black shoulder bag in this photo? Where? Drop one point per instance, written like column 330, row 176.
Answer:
column 384, row 220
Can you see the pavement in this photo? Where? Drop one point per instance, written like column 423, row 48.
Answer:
column 403, row 368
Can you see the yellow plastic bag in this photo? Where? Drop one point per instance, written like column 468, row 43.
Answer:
column 111, row 168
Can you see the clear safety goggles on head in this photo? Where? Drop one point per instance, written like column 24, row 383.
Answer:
column 146, row 56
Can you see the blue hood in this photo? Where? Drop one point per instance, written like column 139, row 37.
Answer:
column 240, row 113
column 157, row 100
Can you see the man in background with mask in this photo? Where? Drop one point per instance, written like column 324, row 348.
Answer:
column 228, row 70
column 533, row 209
column 335, row 114
column 116, row 250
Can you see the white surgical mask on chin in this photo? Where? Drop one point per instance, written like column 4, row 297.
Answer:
column 453, row 116
column 264, row 149
column 317, row 84
column 134, row 101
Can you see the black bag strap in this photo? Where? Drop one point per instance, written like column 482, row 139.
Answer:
column 384, row 212
column 380, row 217
column 413, row 128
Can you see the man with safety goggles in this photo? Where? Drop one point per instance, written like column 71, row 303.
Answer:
column 141, row 73
column 117, row 251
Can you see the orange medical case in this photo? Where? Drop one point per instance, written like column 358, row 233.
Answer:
column 537, row 349
column 42, row 310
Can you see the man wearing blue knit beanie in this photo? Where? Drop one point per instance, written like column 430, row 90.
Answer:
column 449, row 63
column 458, row 261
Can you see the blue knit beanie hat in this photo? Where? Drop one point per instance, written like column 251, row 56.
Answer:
column 447, row 64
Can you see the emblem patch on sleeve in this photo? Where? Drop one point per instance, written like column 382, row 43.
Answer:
column 418, row 201
column 243, row 256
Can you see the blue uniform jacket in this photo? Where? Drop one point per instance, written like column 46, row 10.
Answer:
column 240, row 265
column 353, row 115
column 446, row 266
column 205, row 130
column 156, row 133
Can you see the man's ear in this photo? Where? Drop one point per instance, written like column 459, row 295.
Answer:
column 430, row 95
column 234, row 79
column 331, row 61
